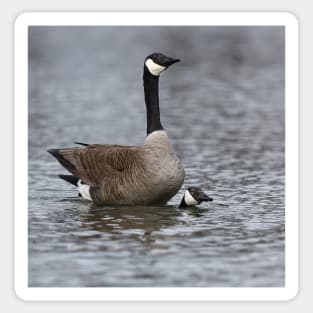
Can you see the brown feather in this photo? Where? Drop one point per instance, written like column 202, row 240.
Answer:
column 148, row 174
column 113, row 166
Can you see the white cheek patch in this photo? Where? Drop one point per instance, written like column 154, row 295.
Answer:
column 189, row 199
column 84, row 190
column 154, row 69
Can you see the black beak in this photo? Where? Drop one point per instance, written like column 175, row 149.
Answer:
column 171, row 61
column 205, row 197
column 167, row 61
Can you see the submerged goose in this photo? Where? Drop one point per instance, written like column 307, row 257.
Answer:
column 193, row 196
column 134, row 175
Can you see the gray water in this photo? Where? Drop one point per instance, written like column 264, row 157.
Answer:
column 223, row 108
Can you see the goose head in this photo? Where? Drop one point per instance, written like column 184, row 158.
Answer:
column 194, row 196
column 156, row 63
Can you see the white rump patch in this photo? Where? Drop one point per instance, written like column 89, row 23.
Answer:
column 189, row 199
column 154, row 68
column 84, row 190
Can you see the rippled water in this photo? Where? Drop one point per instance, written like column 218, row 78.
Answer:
column 223, row 108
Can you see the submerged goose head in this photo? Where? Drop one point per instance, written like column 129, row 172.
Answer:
column 194, row 196
column 156, row 63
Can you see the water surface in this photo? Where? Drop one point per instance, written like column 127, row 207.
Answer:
column 223, row 108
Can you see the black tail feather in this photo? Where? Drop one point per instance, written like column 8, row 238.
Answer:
column 68, row 165
column 81, row 143
column 70, row 179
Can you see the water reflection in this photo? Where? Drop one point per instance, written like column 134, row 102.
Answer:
column 138, row 223
column 141, row 223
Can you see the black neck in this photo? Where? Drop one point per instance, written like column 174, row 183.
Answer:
column 183, row 203
column 151, row 88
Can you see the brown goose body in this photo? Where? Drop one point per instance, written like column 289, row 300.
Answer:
column 133, row 175
column 144, row 175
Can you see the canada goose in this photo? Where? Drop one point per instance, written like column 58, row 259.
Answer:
column 133, row 175
column 193, row 196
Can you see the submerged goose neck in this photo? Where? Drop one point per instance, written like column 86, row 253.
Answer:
column 182, row 203
column 151, row 89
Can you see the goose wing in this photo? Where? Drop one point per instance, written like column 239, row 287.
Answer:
column 98, row 145
column 97, row 163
